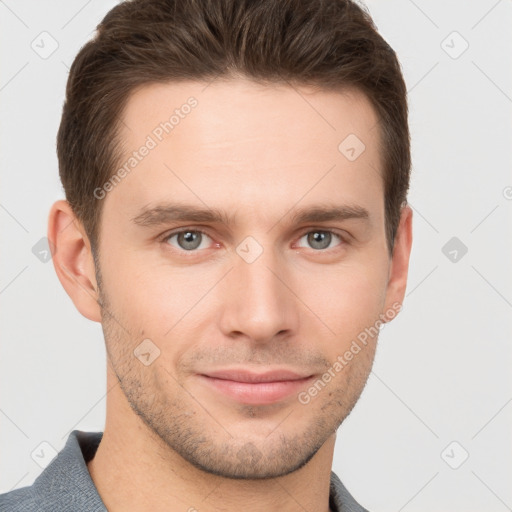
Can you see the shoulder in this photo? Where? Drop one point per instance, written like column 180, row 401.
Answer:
column 19, row 500
column 64, row 485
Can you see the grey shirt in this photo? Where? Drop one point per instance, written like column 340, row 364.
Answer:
column 66, row 485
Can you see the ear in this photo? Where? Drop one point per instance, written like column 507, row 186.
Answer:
column 399, row 267
column 73, row 259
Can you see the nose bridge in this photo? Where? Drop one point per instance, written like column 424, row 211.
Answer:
column 258, row 304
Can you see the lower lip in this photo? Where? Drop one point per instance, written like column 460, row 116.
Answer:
column 256, row 392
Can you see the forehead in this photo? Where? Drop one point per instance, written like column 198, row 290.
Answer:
column 257, row 143
column 229, row 108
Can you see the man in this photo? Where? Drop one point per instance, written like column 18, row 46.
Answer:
column 236, row 177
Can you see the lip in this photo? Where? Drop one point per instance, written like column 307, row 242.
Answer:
column 256, row 388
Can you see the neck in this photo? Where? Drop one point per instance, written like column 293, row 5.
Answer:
column 133, row 470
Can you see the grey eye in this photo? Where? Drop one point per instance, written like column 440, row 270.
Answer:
column 319, row 239
column 187, row 240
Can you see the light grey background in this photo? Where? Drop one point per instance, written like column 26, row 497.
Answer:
column 443, row 367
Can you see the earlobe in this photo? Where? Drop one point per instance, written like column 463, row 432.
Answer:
column 73, row 259
column 399, row 268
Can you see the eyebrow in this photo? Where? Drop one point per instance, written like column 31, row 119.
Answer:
column 164, row 213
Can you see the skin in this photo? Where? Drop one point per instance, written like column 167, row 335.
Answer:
column 171, row 441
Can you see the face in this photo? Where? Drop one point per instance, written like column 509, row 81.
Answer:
column 242, row 254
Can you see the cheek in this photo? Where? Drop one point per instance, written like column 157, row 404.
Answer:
column 163, row 303
column 143, row 287
column 348, row 298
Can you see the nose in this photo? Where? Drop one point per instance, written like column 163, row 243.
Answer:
column 258, row 303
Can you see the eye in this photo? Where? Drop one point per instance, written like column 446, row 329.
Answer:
column 321, row 239
column 188, row 239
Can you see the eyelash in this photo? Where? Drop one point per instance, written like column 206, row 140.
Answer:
column 191, row 253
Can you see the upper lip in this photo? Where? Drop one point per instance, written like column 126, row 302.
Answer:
column 240, row 375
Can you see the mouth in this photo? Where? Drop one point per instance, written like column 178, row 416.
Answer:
column 256, row 388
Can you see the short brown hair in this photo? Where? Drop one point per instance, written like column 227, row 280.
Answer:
column 329, row 44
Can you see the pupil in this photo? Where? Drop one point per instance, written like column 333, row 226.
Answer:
column 190, row 240
column 320, row 237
